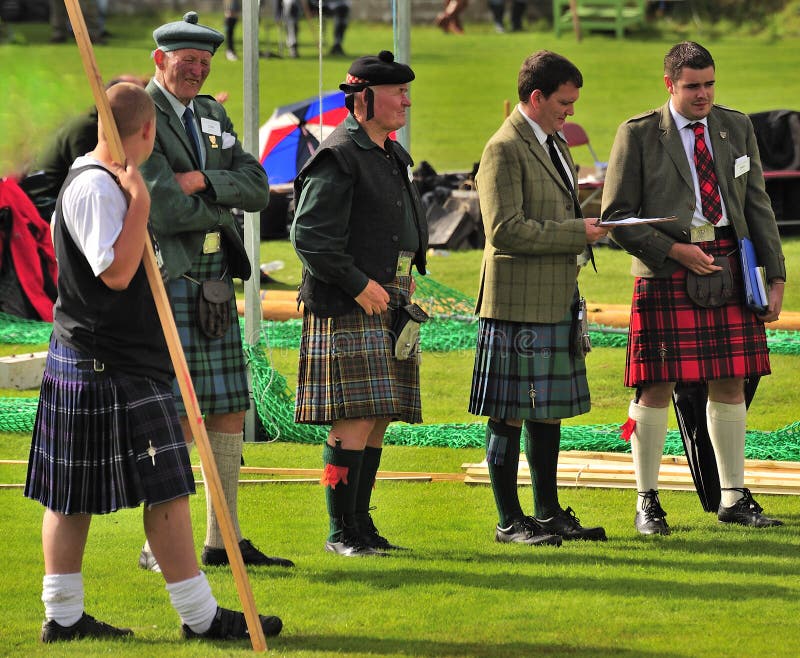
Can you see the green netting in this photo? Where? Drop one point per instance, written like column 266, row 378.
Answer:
column 452, row 327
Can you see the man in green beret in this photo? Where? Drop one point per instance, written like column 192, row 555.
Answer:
column 358, row 229
column 197, row 174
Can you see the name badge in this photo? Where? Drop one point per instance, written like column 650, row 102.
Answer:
column 741, row 166
column 210, row 127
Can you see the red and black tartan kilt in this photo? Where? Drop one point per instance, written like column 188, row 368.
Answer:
column 348, row 370
column 672, row 340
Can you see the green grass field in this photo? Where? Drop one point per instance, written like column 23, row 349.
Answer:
column 708, row 590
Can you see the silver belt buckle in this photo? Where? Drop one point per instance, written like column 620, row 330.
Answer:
column 403, row 266
column 704, row 233
column 212, row 242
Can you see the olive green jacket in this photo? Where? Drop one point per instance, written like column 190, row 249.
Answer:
column 649, row 176
column 235, row 180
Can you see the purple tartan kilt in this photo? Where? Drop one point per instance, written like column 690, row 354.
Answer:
column 524, row 370
column 89, row 451
column 670, row 339
column 217, row 365
column 347, row 368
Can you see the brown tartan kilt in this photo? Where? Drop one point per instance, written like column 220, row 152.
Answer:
column 347, row 368
column 670, row 339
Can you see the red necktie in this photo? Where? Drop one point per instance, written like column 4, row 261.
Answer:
column 709, row 189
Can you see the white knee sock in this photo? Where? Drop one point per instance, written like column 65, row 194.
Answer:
column 194, row 602
column 227, row 449
column 62, row 595
column 726, row 428
column 647, row 445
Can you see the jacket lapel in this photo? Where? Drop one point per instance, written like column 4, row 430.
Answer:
column 671, row 141
column 525, row 131
column 173, row 121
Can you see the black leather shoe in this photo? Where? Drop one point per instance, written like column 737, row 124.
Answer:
column 526, row 530
column 567, row 526
column 373, row 539
column 86, row 626
column 746, row 511
column 216, row 557
column 231, row 625
column 352, row 544
column 651, row 520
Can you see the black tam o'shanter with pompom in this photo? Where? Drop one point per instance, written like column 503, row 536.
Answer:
column 371, row 71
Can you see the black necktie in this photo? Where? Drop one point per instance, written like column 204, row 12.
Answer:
column 188, row 124
column 556, row 158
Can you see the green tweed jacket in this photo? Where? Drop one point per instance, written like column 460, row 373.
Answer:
column 533, row 233
column 236, row 180
column 648, row 176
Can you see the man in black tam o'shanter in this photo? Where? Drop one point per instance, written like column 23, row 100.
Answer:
column 358, row 229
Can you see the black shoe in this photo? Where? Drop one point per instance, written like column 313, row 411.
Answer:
column 336, row 50
column 293, row 52
column 567, row 526
column 746, row 511
column 373, row 539
column 651, row 521
column 352, row 544
column 526, row 530
column 86, row 626
column 231, row 625
column 217, row 557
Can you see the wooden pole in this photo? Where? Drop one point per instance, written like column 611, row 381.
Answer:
column 576, row 21
column 213, row 483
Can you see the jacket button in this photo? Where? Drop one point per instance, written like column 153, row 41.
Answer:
column 395, row 238
column 398, row 203
column 395, row 172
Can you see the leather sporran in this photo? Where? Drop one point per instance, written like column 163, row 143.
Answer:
column 214, row 308
column 580, row 343
column 405, row 330
column 711, row 290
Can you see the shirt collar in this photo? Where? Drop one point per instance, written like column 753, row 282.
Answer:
column 175, row 104
column 681, row 121
column 358, row 134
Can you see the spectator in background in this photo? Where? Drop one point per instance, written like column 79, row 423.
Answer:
column 59, row 24
column 449, row 20
column 232, row 9
column 497, row 7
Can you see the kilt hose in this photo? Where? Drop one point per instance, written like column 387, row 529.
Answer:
column 217, row 365
column 671, row 339
column 348, row 370
column 94, row 435
column 524, row 370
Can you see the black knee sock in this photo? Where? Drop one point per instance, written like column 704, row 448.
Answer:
column 340, row 479
column 502, row 457
column 366, row 482
column 542, row 442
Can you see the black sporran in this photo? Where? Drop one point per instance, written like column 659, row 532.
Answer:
column 214, row 308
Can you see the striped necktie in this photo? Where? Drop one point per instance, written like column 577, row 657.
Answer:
column 191, row 130
column 709, row 189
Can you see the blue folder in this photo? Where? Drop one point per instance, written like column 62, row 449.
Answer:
column 755, row 289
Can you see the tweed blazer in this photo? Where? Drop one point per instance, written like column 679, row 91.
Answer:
column 533, row 230
column 235, row 180
column 649, row 176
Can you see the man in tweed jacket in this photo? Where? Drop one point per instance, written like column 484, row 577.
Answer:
column 659, row 167
column 195, row 182
column 526, row 367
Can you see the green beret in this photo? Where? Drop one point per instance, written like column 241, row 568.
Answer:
column 372, row 70
column 187, row 34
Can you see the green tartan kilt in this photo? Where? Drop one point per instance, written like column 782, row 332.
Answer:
column 217, row 365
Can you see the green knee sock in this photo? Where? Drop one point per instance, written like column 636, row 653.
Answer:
column 340, row 479
column 366, row 482
column 542, row 441
column 502, row 457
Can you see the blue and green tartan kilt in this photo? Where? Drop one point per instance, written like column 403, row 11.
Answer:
column 348, row 370
column 217, row 365
column 524, row 370
column 89, row 451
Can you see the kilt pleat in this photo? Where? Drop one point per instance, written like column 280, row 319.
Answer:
column 347, row 368
column 670, row 339
column 525, row 370
column 217, row 365
column 89, row 451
